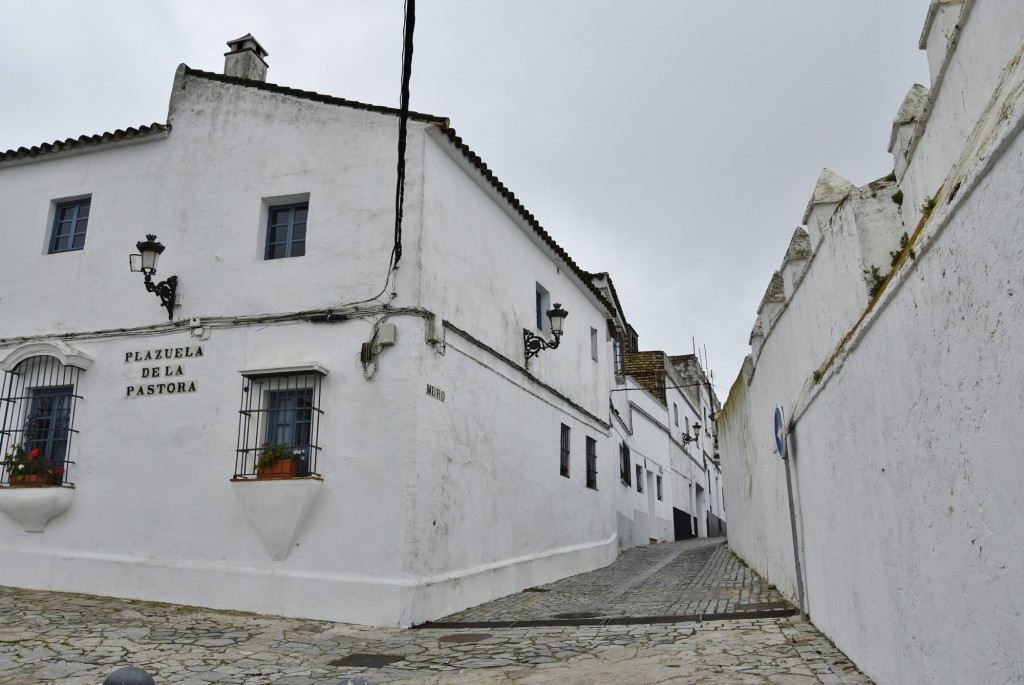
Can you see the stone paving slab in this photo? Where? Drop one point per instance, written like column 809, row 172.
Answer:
column 67, row 639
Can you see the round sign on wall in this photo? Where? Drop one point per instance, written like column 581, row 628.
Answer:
column 780, row 431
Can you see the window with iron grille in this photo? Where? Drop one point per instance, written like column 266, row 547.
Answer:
column 286, row 231
column 639, row 478
column 592, row 463
column 620, row 359
column 70, row 222
column 624, row 468
column 280, row 410
column 657, row 481
column 37, row 406
column 563, row 465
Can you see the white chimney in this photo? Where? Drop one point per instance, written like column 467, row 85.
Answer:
column 246, row 59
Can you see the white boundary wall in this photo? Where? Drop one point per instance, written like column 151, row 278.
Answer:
column 908, row 457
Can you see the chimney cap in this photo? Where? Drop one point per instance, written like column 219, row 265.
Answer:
column 247, row 42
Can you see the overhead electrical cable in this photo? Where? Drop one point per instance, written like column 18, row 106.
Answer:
column 403, row 121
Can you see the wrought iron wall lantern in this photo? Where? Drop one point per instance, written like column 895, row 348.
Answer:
column 534, row 343
column 145, row 261
column 687, row 438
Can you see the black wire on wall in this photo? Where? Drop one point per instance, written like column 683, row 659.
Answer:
column 403, row 120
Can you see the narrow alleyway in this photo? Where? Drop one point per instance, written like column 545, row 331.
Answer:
column 686, row 612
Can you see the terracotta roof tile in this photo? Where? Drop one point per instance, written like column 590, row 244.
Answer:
column 84, row 142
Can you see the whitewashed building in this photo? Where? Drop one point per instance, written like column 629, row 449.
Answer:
column 438, row 464
column 891, row 337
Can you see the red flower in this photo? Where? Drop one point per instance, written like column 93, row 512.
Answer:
column 59, row 471
column 33, row 454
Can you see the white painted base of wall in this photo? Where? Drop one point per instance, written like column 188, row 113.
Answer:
column 278, row 591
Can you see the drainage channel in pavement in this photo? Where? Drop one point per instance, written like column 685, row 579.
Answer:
column 764, row 612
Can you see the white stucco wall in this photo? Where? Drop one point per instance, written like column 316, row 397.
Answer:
column 915, row 505
column 485, row 267
column 989, row 39
column 201, row 191
column 154, row 515
column 906, row 452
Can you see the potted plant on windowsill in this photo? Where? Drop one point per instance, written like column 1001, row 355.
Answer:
column 277, row 462
column 30, row 469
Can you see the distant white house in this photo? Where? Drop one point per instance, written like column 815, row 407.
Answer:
column 437, row 461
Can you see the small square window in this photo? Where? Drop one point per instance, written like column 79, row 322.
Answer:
column 69, row 224
column 286, row 231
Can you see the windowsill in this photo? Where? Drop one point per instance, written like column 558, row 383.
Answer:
column 253, row 479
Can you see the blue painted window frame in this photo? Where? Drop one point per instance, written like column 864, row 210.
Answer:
column 290, row 422
column 70, row 222
column 48, row 424
column 286, row 231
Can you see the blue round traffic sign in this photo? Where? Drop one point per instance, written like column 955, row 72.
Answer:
column 780, row 431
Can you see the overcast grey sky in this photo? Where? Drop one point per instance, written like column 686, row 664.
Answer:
column 674, row 143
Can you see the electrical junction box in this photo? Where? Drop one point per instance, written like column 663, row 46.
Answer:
column 434, row 329
column 386, row 334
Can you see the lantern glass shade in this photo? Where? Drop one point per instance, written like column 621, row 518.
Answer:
column 557, row 317
column 135, row 262
column 149, row 259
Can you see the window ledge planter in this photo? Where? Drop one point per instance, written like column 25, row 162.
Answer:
column 279, row 470
column 33, row 506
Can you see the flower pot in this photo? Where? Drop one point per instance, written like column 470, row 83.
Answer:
column 280, row 470
column 33, row 480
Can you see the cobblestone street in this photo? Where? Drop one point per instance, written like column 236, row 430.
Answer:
column 77, row 640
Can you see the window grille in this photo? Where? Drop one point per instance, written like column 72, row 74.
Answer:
column 279, row 408
column 592, row 463
column 624, row 468
column 657, row 481
column 639, row 478
column 564, row 460
column 620, row 359
column 38, row 411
